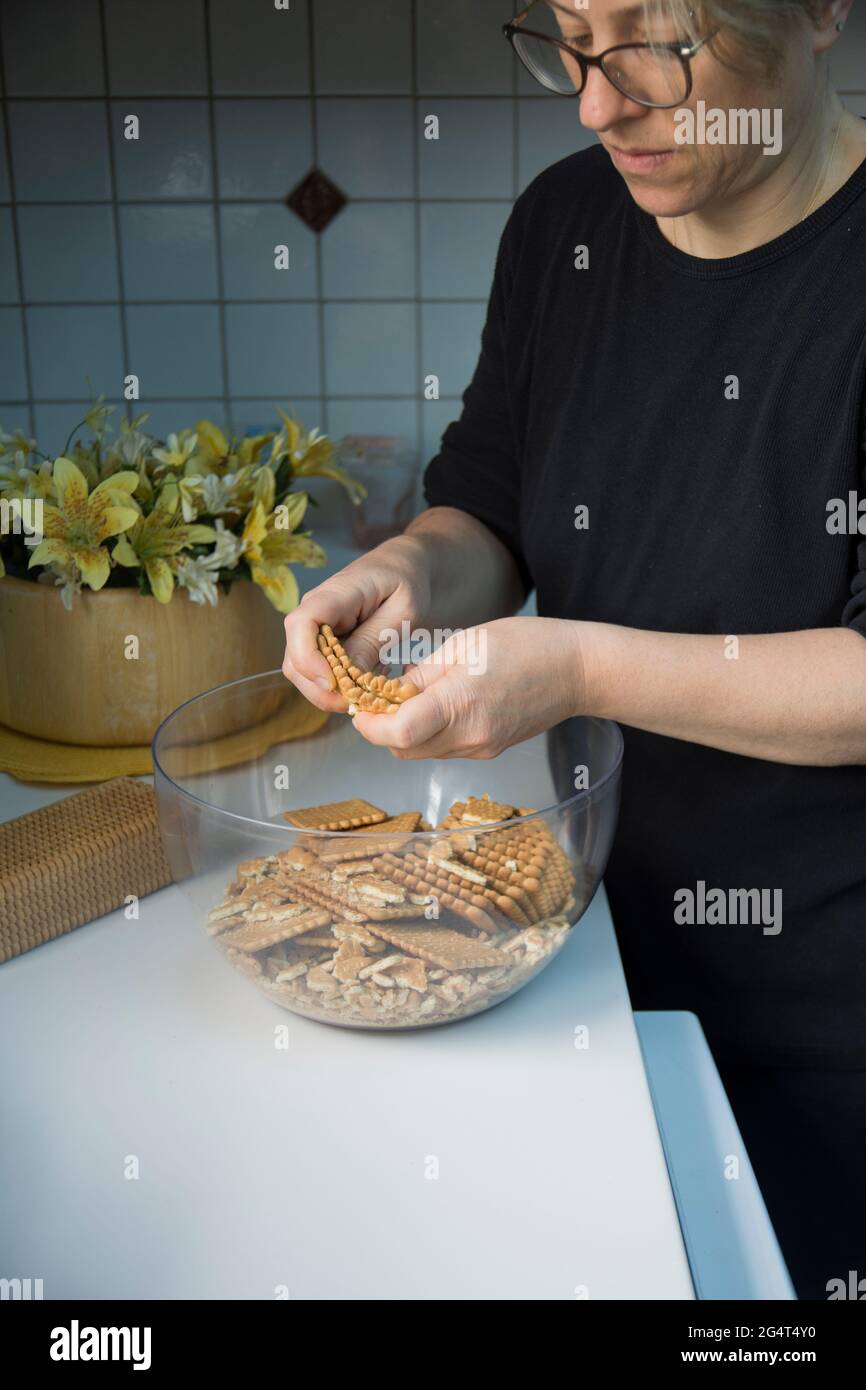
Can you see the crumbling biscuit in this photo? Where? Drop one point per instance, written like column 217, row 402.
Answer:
column 480, row 810
column 246, row 964
column 226, row 914
column 362, row 690
column 347, row 900
column 336, row 815
column 438, row 945
column 259, row 936
column 297, row 858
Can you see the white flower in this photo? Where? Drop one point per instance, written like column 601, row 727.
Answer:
column 200, row 576
column 228, row 548
column 17, row 443
column 130, row 445
column 69, row 578
column 179, row 449
column 217, row 493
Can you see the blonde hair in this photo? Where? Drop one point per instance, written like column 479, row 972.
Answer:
column 752, row 32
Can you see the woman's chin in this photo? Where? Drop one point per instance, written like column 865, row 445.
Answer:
column 661, row 202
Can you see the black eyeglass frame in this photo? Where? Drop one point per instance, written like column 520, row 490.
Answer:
column 684, row 51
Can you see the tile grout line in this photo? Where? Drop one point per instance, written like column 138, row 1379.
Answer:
column 126, row 365
column 420, row 441
column 16, row 239
column 515, row 119
column 217, row 223
column 202, row 303
column 169, row 400
column 197, row 202
column 259, row 95
column 324, row 409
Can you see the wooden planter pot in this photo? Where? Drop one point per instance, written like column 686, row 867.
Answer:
column 106, row 673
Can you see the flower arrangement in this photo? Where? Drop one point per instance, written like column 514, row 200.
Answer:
column 193, row 512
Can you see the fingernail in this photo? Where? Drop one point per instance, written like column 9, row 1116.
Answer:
column 324, row 682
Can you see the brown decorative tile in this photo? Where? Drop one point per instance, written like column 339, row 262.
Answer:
column 316, row 200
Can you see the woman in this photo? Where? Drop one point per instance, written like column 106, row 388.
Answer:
column 669, row 398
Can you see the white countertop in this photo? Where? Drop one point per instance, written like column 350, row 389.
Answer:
column 311, row 1169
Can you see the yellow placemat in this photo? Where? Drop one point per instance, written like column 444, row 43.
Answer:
column 37, row 760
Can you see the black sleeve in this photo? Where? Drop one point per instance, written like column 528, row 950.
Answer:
column 854, row 612
column 477, row 467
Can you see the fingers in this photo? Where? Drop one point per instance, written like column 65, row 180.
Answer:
column 303, row 663
column 415, row 723
column 341, row 608
column 376, row 640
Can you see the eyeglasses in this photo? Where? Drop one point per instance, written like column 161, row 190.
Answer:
column 650, row 74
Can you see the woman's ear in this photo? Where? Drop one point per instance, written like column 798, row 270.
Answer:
column 829, row 25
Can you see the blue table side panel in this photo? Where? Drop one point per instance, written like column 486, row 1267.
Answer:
column 730, row 1242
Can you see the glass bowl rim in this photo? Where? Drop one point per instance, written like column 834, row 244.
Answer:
column 290, row 830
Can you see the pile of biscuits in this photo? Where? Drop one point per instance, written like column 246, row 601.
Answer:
column 393, row 928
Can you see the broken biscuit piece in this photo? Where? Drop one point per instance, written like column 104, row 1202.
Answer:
column 364, row 691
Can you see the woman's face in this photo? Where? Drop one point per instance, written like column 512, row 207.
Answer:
column 668, row 178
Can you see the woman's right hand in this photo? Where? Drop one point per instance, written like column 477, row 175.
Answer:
column 379, row 591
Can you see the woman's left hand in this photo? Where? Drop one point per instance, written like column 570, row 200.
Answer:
column 484, row 689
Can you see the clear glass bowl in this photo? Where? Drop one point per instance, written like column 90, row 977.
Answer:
column 375, row 928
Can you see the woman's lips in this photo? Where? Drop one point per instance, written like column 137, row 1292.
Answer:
column 636, row 163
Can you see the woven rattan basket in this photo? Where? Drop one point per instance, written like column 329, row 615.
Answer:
column 72, row 861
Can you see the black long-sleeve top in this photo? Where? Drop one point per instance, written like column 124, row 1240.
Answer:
column 705, row 413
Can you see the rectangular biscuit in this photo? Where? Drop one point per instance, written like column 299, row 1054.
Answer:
column 405, row 821
column 336, row 815
column 341, row 900
column 438, row 945
column 259, row 936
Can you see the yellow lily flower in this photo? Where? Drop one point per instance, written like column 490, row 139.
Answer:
column 75, row 529
column 157, row 541
column 249, row 449
column 311, row 455
column 221, row 455
column 212, row 443
column 96, row 417
column 264, row 488
column 270, row 547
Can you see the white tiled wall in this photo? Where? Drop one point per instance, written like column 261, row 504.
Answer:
column 156, row 256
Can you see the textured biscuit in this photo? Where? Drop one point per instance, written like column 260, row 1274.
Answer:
column 246, row 964
column 480, row 810
column 404, row 821
column 363, row 690
column 336, row 815
column 439, row 945
column 297, row 858
column 482, row 896
column 484, row 872
column 340, row 850
column 426, row 880
column 346, row 901
column 259, row 936
column 226, row 914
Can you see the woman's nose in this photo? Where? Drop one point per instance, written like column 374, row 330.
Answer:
column 601, row 105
